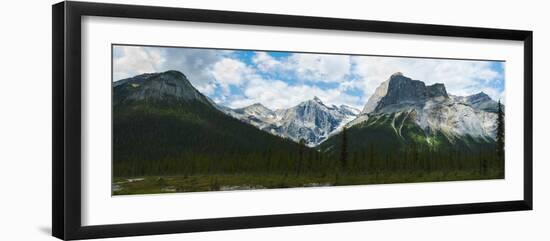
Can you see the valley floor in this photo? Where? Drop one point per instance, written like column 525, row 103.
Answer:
column 202, row 183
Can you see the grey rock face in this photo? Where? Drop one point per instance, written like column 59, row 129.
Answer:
column 257, row 110
column 170, row 85
column 482, row 101
column 378, row 94
column 436, row 90
column 404, row 90
column 256, row 114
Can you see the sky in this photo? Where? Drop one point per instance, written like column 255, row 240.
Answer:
column 238, row 78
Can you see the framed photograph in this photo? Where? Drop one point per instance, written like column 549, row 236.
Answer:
column 169, row 120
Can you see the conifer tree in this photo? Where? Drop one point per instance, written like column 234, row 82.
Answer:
column 344, row 151
column 500, row 136
column 301, row 156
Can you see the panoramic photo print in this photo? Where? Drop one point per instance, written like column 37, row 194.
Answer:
column 198, row 119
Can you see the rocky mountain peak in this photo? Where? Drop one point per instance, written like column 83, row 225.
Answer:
column 431, row 107
column 171, row 84
column 481, row 101
column 437, row 90
column 378, row 94
column 402, row 89
column 318, row 100
column 255, row 109
column 397, row 74
column 481, row 96
column 257, row 106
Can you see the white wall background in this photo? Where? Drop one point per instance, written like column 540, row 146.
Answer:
column 25, row 122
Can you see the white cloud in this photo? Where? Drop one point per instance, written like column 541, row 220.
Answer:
column 277, row 94
column 307, row 67
column 207, row 89
column 136, row 60
column 230, row 71
column 265, row 63
column 322, row 68
column 196, row 65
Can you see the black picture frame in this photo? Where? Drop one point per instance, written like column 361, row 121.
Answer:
column 66, row 128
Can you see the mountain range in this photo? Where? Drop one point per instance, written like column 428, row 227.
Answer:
column 430, row 107
column 161, row 117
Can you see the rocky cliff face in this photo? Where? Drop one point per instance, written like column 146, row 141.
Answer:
column 378, row 94
column 436, row 90
column 403, row 90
